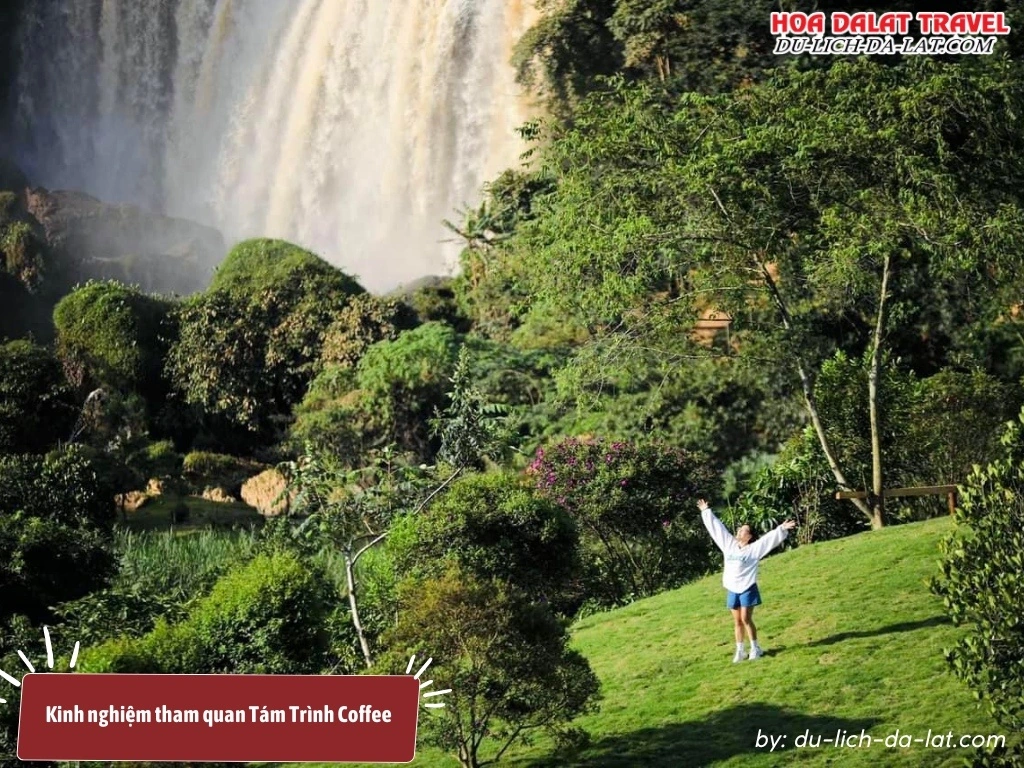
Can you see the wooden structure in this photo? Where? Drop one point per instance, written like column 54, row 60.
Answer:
column 949, row 491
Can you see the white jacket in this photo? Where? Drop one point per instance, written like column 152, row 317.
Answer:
column 740, row 562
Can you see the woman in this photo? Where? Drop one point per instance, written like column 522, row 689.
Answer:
column 742, row 555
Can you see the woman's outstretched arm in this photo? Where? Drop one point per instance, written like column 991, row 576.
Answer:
column 719, row 533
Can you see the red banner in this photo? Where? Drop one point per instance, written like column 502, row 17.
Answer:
column 219, row 718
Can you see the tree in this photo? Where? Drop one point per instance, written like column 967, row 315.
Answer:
column 495, row 526
column 505, row 658
column 818, row 207
column 980, row 587
column 248, row 347
column 352, row 511
column 405, row 381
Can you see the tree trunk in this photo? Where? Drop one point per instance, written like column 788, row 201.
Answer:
column 350, row 575
column 877, row 515
column 807, row 385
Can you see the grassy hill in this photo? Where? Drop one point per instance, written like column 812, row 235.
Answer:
column 854, row 641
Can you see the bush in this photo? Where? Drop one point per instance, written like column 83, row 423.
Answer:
column 406, row 381
column 633, row 505
column 22, row 253
column 365, row 321
column 980, row 587
column 56, row 516
column 259, row 265
column 37, row 408
column 799, row 485
column 265, row 617
column 114, row 335
column 495, row 526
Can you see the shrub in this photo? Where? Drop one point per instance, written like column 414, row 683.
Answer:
column 22, row 253
column 633, row 504
column 37, row 408
column 365, row 321
column 56, row 514
column 495, row 526
column 255, row 266
column 798, row 485
column 405, row 381
column 980, row 587
column 264, row 617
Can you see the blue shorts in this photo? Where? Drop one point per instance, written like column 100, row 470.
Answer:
column 747, row 599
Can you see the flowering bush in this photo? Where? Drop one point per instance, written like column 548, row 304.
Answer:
column 635, row 505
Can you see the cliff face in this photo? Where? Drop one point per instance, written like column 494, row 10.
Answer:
column 94, row 240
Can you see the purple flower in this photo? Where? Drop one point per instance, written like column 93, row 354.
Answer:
column 622, row 483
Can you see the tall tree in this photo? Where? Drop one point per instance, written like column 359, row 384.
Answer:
column 821, row 207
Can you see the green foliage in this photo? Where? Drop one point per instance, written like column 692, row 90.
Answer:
column 799, row 486
column 161, row 575
column 332, row 417
column 631, row 503
column 980, row 587
column 264, row 617
column 23, row 253
column 571, row 46
column 405, row 381
column 495, row 526
column 472, row 429
column 37, row 408
column 249, row 346
column 507, row 661
column 56, row 515
column 486, row 294
column 160, row 460
column 956, row 422
column 436, row 301
column 363, row 322
column 114, row 335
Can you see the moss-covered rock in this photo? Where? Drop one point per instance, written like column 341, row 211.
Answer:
column 113, row 334
column 254, row 266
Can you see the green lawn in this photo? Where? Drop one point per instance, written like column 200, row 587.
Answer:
column 854, row 641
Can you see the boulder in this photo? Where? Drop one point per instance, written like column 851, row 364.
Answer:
column 263, row 490
column 95, row 240
column 218, row 495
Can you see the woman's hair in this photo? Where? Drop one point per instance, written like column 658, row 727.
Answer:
column 754, row 535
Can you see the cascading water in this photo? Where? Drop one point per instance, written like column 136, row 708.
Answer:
column 352, row 127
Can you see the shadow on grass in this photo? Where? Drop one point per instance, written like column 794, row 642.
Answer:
column 907, row 626
column 723, row 735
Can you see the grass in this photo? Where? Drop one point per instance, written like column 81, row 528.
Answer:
column 157, row 562
column 854, row 640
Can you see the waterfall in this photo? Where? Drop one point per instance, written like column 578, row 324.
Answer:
column 351, row 127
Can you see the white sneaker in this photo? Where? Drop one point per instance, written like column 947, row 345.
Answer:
column 755, row 653
column 740, row 655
